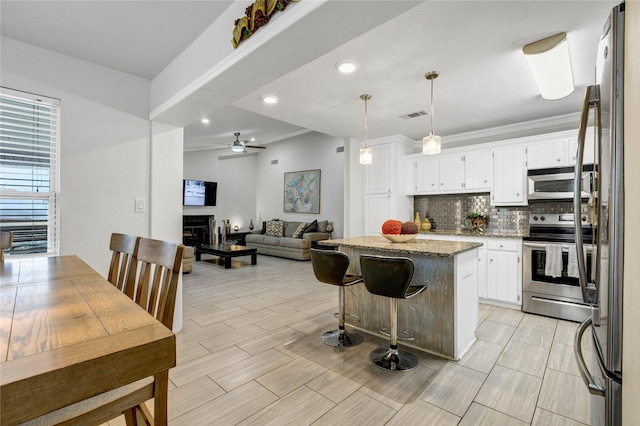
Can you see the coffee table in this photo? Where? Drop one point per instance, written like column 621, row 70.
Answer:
column 226, row 252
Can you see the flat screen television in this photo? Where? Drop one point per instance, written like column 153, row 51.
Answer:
column 199, row 193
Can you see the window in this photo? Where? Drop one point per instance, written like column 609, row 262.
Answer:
column 29, row 172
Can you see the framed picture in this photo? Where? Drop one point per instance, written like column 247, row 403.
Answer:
column 302, row 192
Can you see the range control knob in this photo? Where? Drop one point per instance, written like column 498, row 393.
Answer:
column 584, row 218
column 542, row 218
column 535, row 218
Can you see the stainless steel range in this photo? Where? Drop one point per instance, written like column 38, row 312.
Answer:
column 550, row 281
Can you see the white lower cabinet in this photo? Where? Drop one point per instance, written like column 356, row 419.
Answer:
column 504, row 271
column 499, row 267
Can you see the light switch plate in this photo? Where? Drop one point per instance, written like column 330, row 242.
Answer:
column 141, row 205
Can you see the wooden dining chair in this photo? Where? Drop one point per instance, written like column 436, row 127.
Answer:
column 6, row 241
column 154, row 287
column 124, row 248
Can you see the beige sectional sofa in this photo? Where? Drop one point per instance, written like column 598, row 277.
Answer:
column 287, row 239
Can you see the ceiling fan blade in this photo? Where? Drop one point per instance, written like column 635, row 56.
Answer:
column 255, row 147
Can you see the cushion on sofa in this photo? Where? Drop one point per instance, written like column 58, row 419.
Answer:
column 291, row 228
column 296, row 243
column 255, row 238
column 275, row 229
column 322, row 226
column 312, row 227
column 272, row 241
column 298, row 233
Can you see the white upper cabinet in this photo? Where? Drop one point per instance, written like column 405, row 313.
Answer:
column 509, row 177
column 378, row 176
column 466, row 171
column 451, row 172
column 478, row 170
column 589, row 144
column 426, row 176
column 547, row 154
column 559, row 150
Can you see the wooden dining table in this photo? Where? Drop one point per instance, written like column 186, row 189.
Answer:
column 67, row 334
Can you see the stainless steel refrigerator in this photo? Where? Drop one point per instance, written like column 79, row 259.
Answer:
column 602, row 373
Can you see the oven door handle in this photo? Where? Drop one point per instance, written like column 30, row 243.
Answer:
column 541, row 246
column 591, row 98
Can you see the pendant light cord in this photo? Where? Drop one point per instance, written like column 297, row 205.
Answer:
column 365, row 98
column 431, row 117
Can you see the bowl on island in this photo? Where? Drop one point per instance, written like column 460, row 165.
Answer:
column 399, row 238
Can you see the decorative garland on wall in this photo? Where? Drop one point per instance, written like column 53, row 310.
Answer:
column 256, row 15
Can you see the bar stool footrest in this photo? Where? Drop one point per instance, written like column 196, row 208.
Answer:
column 402, row 334
column 348, row 318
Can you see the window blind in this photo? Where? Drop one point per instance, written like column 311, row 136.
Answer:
column 29, row 171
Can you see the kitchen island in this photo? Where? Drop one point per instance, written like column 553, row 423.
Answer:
column 443, row 318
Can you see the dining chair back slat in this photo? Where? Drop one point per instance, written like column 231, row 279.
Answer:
column 124, row 248
column 157, row 282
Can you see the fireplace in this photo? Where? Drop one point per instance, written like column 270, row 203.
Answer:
column 198, row 230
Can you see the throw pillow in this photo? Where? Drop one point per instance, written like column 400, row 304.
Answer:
column 322, row 226
column 275, row 229
column 313, row 227
column 298, row 233
column 290, row 228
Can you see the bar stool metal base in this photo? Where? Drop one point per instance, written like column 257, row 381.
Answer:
column 341, row 338
column 393, row 359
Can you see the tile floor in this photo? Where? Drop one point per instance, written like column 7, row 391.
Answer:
column 250, row 353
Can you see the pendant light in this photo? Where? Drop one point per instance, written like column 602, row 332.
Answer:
column 365, row 153
column 431, row 144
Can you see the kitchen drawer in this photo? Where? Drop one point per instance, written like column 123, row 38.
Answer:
column 503, row 244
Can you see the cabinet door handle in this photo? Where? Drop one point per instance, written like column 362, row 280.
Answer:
column 490, row 260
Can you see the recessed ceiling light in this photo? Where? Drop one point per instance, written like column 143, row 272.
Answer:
column 347, row 66
column 205, row 121
column 269, row 99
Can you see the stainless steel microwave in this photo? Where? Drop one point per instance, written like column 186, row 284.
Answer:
column 557, row 183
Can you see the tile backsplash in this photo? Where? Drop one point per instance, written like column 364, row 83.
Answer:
column 448, row 212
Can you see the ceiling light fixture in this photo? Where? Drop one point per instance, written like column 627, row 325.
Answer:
column 365, row 153
column 551, row 66
column 205, row 121
column 269, row 99
column 237, row 145
column 431, row 144
column 347, row 66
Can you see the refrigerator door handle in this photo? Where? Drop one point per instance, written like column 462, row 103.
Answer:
column 591, row 98
column 594, row 388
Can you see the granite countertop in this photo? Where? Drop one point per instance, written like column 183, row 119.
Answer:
column 426, row 247
column 467, row 233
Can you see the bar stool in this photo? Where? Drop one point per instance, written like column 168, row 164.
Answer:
column 330, row 267
column 390, row 277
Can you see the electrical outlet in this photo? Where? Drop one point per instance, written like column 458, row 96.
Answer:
column 141, row 205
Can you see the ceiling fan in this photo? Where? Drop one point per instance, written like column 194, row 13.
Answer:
column 241, row 146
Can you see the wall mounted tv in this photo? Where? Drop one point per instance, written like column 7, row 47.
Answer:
column 199, row 193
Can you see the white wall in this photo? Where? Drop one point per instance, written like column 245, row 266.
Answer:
column 305, row 152
column 104, row 144
column 250, row 187
column 165, row 205
column 236, row 178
